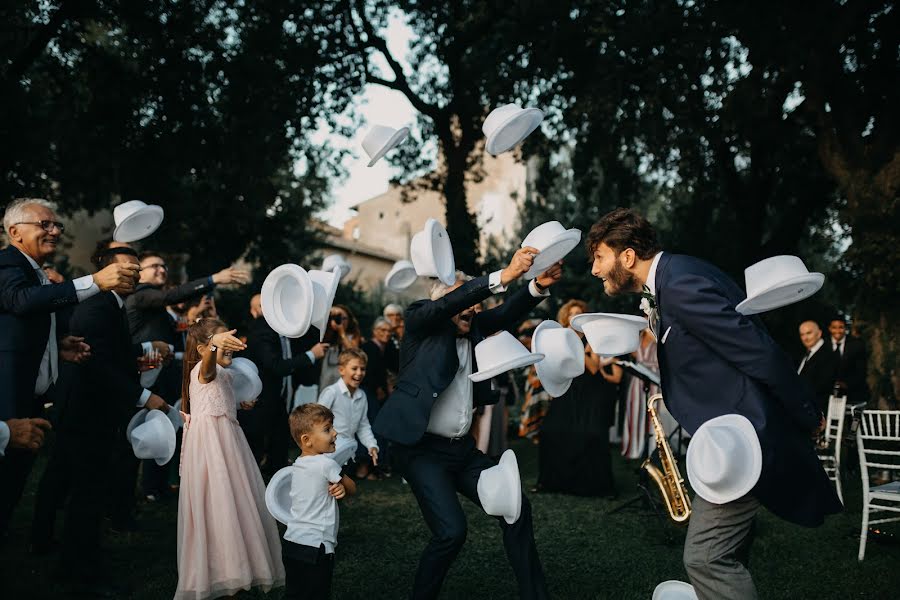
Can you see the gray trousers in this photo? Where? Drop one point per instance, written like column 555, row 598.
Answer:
column 717, row 548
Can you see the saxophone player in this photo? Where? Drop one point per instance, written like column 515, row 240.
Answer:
column 715, row 361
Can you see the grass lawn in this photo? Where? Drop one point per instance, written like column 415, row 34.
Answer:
column 586, row 553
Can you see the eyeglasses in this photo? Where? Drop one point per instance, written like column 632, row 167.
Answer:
column 45, row 225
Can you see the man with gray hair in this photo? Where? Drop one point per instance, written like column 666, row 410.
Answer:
column 29, row 348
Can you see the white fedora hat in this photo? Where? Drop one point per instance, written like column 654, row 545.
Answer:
column 500, row 489
column 674, row 590
column 554, row 241
column 246, row 383
column 500, row 353
column 278, row 495
column 174, row 415
column 336, row 262
column 563, row 356
column 610, row 334
column 287, row 300
column 724, row 459
column 401, row 276
column 432, row 253
column 508, row 125
column 154, row 438
column 776, row 282
column 136, row 220
column 381, row 139
column 325, row 284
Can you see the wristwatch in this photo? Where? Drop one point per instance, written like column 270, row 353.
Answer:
column 539, row 287
column 213, row 348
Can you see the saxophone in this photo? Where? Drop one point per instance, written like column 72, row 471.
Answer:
column 669, row 480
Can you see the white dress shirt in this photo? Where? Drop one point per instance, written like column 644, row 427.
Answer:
column 651, row 274
column 146, row 346
column 810, row 354
column 838, row 346
column 350, row 412
column 314, row 512
column 451, row 414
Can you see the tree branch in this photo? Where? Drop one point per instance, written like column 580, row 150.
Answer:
column 36, row 45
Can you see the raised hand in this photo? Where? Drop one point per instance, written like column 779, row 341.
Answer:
column 73, row 349
column 231, row 275
column 519, row 264
column 227, row 341
column 550, row 276
column 118, row 277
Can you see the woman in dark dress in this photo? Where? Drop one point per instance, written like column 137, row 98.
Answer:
column 574, row 455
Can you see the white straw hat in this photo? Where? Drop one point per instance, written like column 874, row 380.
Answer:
column 245, row 381
column 724, row 459
column 136, row 220
column 500, row 353
column 500, row 489
column 563, row 356
column 778, row 281
column 336, row 262
column 508, row 125
column 381, row 139
column 432, row 253
column 287, row 300
column 278, row 495
column 554, row 241
column 154, row 438
column 674, row 590
column 610, row 334
column 401, row 276
column 325, row 286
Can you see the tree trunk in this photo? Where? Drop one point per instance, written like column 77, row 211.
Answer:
column 460, row 222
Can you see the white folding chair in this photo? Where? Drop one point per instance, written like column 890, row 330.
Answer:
column 830, row 454
column 880, row 431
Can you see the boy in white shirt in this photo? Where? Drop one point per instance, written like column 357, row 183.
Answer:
column 316, row 486
column 350, row 407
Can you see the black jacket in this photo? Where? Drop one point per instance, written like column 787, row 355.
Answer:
column 820, row 372
column 851, row 368
column 147, row 316
column 264, row 349
column 428, row 359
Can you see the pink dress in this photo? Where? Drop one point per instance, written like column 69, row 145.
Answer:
column 227, row 541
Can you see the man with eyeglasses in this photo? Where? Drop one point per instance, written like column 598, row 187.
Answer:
column 29, row 348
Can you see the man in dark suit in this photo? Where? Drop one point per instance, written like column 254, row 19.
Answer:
column 283, row 364
column 428, row 417
column 716, row 361
column 818, row 367
column 852, row 361
column 29, row 344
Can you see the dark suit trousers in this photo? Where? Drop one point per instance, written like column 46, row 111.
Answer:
column 123, row 476
column 277, row 432
column 15, row 467
column 436, row 469
column 53, row 491
column 308, row 571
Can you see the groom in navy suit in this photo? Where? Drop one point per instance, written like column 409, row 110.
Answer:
column 715, row 361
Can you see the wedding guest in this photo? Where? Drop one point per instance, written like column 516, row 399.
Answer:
column 851, row 358
column 31, row 346
column 377, row 388
column 636, row 427
column 341, row 333
column 536, row 401
column 818, row 367
column 227, row 540
column 394, row 314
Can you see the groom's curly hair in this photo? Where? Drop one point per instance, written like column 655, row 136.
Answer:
column 623, row 228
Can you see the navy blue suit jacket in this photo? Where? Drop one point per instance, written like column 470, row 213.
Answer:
column 428, row 359
column 25, row 307
column 715, row 361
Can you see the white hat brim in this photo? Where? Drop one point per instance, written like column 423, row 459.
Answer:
column 782, row 294
column 169, row 435
column 273, row 307
column 274, row 494
column 674, row 590
column 554, row 252
column 136, row 420
column 526, row 121
column 511, row 469
column 515, row 363
column 395, row 140
column 140, row 224
column 320, row 321
column 551, row 382
column 251, row 373
column 400, row 278
column 578, row 321
column 753, row 467
column 439, row 240
column 174, row 416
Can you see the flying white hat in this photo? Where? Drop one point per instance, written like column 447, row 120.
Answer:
column 401, row 276
column 278, row 495
column 245, row 381
column 136, row 220
column 500, row 489
column 674, row 590
column 563, row 356
column 554, row 241
column 336, row 262
column 724, row 459
column 287, row 300
column 432, row 253
column 610, row 334
column 508, row 125
column 154, row 438
column 776, row 282
column 381, row 139
column 325, row 286
column 500, row 353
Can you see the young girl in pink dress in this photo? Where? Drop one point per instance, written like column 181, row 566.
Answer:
column 227, row 541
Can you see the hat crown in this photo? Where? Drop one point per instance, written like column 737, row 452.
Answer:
column 724, row 458
column 324, row 284
column 500, row 489
column 611, row 335
column 376, row 138
column 499, row 348
column 719, row 449
column 148, row 439
column 541, row 236
column 498, row 116
column 432, row 253
column 401, row 276
column 772, row 271
column 126, row 209
column 562, row 350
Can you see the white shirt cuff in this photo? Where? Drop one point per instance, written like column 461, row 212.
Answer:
column 147, row 347
column 145, row 395
column 312, row 357
column 532, row 287
column 179, row 355
column 171, row 349
column 85, row 287
column 494, row 283
column 4, row 437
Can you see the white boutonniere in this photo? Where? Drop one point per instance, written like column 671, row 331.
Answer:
column 648, row 301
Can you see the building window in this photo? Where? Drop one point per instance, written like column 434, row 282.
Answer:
column 381, row 215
